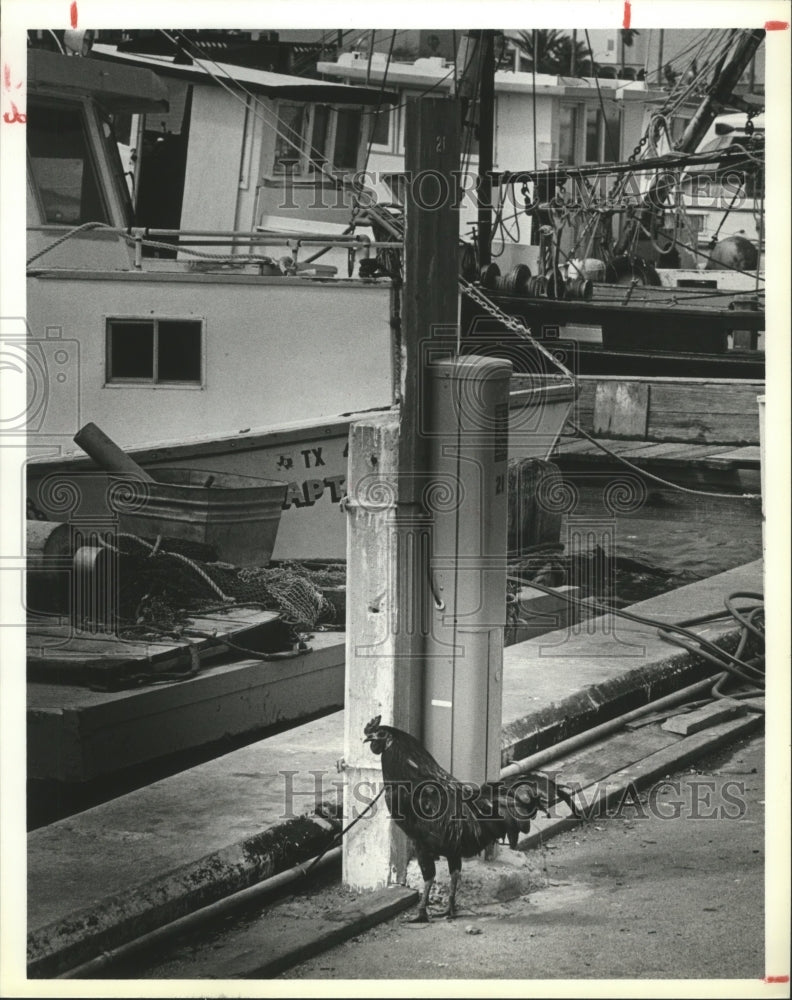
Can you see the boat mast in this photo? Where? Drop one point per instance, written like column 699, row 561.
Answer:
column 476, row 90
column 726, row 79
column 486, row 137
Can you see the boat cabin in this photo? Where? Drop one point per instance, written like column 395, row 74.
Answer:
column 187, row 359
column 245, row 149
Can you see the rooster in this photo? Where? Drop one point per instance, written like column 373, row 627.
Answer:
column 445, row 817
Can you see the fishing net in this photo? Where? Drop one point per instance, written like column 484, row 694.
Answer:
column 162, row 584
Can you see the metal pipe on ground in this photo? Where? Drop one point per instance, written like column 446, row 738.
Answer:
column 190, row 920
column 605, row 728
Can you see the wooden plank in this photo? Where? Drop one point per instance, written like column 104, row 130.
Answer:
column 54, row 650
column 647, row 450
column 621, row 409
column 746, row 458
column 711, row 413
column 621, row 785
column 756, row 385
column 620, row 446
column 669, row 450
column 577, row 446
column 704, row 717
column 638, row 450
column 601, row 759
column 617, row 446
column 687, row 454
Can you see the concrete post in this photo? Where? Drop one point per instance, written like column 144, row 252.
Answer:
column 381, row 621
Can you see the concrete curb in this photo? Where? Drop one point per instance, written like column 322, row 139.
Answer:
column 60, row 946
column 608, row 699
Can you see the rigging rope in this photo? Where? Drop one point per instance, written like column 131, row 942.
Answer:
column 657, row 479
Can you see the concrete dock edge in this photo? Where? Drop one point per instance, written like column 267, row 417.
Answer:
column 116, row 920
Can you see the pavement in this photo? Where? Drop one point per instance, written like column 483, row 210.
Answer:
column 110, row 874
column 670, row 886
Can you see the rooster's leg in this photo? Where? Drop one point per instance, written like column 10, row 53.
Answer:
column 455, row 871
column 428, row 871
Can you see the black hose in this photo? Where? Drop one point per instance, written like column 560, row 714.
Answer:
column 732, row 665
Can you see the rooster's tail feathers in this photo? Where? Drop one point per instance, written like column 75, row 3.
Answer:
column 534, row 791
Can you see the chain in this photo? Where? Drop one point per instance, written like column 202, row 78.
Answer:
column 749, row 125
column 641, row 143
column 511, row 323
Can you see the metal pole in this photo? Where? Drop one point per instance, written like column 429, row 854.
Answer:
column 660, row 58
column 486, row 142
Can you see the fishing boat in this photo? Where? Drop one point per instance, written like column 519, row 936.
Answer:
column 220, row 351
column 193, row 347
column 253, row 363
column 634, row 240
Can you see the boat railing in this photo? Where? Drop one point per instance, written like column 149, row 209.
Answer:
column 230, row 241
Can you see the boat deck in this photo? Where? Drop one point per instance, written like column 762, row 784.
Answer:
column 76, row 734
column 720, row 457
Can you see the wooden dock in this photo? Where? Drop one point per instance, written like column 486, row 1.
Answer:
column 706, row 427
column 75, row 734
column 60, row 653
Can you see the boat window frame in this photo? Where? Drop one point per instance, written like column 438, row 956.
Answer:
column 115, row 381
column 393, row 131
column 602, row 133
column 308, row 172
column 579, row 108
column 97, row 154
column 118, row 177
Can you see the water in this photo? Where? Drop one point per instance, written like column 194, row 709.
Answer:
column 673, row 537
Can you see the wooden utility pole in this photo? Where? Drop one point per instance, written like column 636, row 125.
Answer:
column 388, row 542
column 477, row 66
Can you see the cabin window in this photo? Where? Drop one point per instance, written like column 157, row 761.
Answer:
column 320, row 126
column 602, row 135
column 312, row 138
column 289, row 138
column 381, row 128
column 301, row 143
column 154, row 351
column 569, row 136
column 347, row 138
column 62, row 167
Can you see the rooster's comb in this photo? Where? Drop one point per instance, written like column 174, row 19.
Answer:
column 372, row 726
